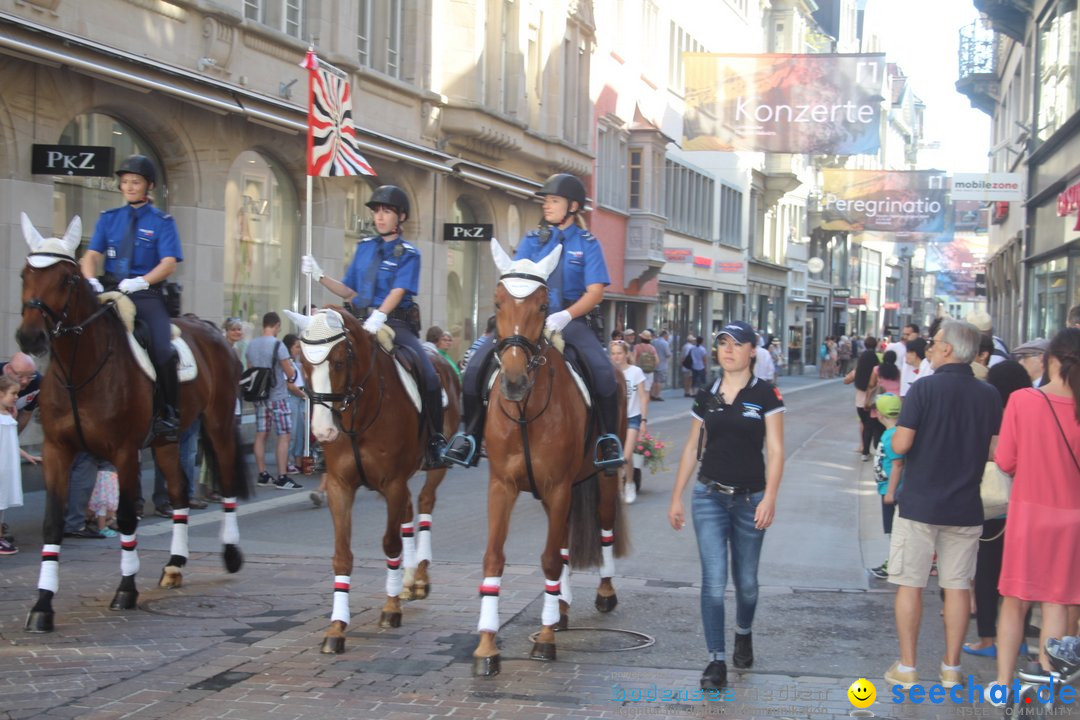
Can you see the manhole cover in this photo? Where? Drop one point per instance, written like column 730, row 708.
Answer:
column 196, row 606
column 596, row 639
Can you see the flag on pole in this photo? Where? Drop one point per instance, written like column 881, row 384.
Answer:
column 332, row 149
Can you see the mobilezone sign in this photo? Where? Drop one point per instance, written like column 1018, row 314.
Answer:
column 988, row 187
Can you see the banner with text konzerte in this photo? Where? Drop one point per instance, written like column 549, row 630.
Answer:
column 890, row 201
column 809, row 104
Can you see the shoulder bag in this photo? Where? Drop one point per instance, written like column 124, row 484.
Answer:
column 256, row 381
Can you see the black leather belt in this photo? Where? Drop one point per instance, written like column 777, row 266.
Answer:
column 725, row 489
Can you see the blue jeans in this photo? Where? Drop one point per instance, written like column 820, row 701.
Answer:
column 300, row 426
column 719, row 521
column 189, row 446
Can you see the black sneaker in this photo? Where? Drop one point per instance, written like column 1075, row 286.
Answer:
column 881, row 572
column 715, row 675
column 284, row 482
column 265, row 479
column 743, row 657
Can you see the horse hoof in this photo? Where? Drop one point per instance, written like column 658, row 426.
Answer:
column 390, row 620
column 124, row 600
column 40, row 621
column 406, row 594
column 171, row 577
column 543, row 651
column 564, row 622
column 606, row 603
column 234, row 559
column 486, row 666
column 333, row 645
column 420, row 592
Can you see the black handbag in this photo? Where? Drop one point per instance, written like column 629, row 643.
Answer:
column 256, row 382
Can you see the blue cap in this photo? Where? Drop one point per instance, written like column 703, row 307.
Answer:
column 740, row 332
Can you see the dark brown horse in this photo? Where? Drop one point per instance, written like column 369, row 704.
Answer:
column 95, row 398
column 372, row 436
column 539, row 438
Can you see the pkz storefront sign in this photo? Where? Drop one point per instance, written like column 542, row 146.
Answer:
column 467, row 231
column 1069, row 202
column 74, row 160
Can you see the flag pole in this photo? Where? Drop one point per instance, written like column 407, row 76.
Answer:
column 307, row 248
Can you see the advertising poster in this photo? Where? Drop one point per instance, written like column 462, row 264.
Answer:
column 810, row 104
column 886, row 201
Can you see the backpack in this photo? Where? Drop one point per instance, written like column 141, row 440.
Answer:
column 256, row 382
column 647, row 359
column 879, row 468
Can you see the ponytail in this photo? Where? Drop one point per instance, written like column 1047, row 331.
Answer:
column 1065, row 348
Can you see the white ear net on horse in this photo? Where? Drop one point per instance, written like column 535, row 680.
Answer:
column 45, row 251
column 323, row 325
column 522, row 287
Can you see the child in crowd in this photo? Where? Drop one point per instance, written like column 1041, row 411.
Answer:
column 104, row 500
column 11, row 494
column 887, row 468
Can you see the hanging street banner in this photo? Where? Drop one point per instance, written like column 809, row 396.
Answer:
column 988, row 187
column 889, row 201
column 821, row 104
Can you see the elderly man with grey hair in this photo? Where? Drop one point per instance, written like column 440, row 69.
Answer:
column 947, row 425
column 22, row 370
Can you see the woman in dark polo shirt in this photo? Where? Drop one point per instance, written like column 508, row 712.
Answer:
column 734, row 499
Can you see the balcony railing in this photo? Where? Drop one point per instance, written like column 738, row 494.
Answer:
column 978, row 57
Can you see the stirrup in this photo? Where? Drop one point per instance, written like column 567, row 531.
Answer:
column 451, row 455
column 614, row 462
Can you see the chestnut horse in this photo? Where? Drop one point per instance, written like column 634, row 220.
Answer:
column 371, row 436
column 95, row 398
column 540, row 437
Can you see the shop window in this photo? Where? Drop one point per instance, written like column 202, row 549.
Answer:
column 88, row 197
column 1049, row 298
column 262, row 228
column 462, row 284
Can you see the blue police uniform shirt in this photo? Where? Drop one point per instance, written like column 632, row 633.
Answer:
column 155, row 238
column 582, row 263
column 399, row 267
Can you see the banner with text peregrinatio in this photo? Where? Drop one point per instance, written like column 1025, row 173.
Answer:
column 809, row 104
column 889, row 201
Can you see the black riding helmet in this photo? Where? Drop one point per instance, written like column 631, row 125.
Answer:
column 139, row 165
column 564, row 185
column 390, row 195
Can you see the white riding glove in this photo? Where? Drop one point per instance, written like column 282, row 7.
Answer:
column 95, row 285
column 375, row 321
column 135, row 284
column 308, row 266
column 557, row 321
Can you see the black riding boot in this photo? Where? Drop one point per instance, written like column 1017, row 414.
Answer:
column 609, row 449
column 464, row 447
column 167, row 421
column 433, row 412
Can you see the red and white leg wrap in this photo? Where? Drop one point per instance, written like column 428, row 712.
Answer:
column 489, row 605
column 564, row 579
column 423, row 538
column 49, row 575
column 408, row 545
column 179, row 532
column 550, row 614
column 230, row 531
column 129, row 555
column 395, row 580
column 341, row 599
column 607, row 553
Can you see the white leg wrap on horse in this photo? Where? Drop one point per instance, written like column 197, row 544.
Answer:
column 395, row 579
column 550, row 614
column 408, row 545
column 564, row 579
column 423, row 538
column 607, row 553
column 179, row 532
column 230, row 531
column 341, row 599
column 49, row 576
column 129, row 555
column 489, row 605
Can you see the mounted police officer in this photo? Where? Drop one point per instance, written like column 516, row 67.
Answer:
column 382, row 283
column 575, row 289
column 141, row 250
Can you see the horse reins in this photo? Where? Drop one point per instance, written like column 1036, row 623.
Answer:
column 348, row 399
column 59, row 329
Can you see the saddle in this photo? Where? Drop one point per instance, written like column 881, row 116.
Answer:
column 407, row 366
column 138, row 336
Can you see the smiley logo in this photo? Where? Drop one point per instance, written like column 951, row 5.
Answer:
column 862, row 693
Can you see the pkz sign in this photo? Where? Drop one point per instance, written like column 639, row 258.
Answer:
column 467, row 231
column 81, row 160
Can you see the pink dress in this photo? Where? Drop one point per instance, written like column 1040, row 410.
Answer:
column 1042, row 529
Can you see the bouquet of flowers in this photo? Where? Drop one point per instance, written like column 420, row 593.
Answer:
column 652, row 452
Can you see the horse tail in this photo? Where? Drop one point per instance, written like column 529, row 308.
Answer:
column 241, row 487
column 584, row 524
